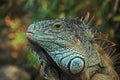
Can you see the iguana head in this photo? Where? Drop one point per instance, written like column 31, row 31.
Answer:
column 66, row 42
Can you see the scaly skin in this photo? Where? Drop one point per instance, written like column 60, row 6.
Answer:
column 67, row 51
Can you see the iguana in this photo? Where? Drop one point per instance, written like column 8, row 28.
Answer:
column 68, row 49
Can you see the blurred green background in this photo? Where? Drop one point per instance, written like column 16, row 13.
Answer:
column 16, row 15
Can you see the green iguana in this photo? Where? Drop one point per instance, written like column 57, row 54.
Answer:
column 68, row 49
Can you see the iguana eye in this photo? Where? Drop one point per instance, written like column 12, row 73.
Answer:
column 57, row 26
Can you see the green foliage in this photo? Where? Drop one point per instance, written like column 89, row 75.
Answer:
column 33, row 60
column 20, row 38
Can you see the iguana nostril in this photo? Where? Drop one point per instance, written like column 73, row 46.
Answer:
column 76, row 65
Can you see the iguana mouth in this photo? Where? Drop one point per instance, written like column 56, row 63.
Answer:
column 41, row 36
column 29, row 34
